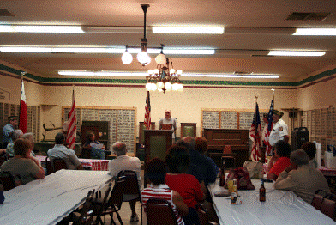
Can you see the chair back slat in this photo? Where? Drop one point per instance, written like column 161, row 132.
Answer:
column 130, row 183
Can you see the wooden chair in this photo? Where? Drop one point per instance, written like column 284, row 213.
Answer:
column 228, row 158
column 317, row 202
column 328, row 208
column 159, row 209
column 7, row 180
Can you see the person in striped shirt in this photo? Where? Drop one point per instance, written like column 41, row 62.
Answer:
column 155, row 171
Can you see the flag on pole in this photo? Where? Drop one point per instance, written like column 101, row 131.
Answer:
column 72, row 124
column 269, row 129
column 23, row 110
column 255, row 135
column 148, row 121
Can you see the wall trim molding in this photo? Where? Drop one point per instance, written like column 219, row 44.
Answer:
column 139, row 83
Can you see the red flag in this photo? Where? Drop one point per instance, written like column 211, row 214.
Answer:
column 255, row 135
column 23, row 110
column 147, row 114
column 72, row 124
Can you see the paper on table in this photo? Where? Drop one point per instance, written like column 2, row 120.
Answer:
column 97, row 146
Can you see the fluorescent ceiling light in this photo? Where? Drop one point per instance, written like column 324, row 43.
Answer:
column 316, row 31
column 114, row 73
column 103, row 49
column 55, row 49
column 40, row 29
column 296, row 53
column 102, row 73
column 189, row 30
column 252, row 75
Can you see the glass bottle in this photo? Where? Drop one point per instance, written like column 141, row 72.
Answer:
column 262, row 192
column 234, row 193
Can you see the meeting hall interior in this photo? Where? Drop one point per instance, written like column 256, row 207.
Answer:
column 118, row 68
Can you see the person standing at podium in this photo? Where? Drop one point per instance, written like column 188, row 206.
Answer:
column 168, row 123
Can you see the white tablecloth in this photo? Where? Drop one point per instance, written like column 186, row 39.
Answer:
column 47, row 201
column 281, row 207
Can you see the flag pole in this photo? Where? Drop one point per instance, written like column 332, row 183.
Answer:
column 273, row 97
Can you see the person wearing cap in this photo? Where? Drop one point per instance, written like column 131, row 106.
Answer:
column 8, row 131
column 168, row 123
column 280, row 129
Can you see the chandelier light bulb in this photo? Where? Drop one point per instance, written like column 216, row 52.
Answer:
column 143, row 58
column 168, row 86
column 127, row 58
column 160, row 59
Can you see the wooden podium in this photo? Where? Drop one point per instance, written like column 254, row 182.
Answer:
column 157, row 142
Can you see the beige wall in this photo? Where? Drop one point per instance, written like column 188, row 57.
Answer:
column 185, row 106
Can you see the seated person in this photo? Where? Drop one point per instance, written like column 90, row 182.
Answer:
column 60, row 151
column 125, row 162
column 22, row 164
column 200, row 166
column 155, row 171
column 91, row 150
column 310, row 149
column 280, row 160
column 10, row 147
column 186, row 185
column 30, row 137
column 300, row 178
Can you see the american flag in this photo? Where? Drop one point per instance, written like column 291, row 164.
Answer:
column 147, row 114
column 72, row 124
column 23, row 110
column 269, row 129
column 255, row 135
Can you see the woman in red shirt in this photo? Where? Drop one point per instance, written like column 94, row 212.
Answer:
column 282, row 151
column 186, row 185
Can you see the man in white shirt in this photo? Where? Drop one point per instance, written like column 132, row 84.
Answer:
column 168, row 123
column 125, row 162
column 60, row 151
column 280, row 129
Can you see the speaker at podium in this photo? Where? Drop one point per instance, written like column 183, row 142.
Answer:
column 300, row 136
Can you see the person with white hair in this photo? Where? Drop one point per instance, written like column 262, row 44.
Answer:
column 125, row 162
column 10, row 147
column 300, row 178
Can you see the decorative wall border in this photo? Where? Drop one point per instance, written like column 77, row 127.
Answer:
column 327, row 75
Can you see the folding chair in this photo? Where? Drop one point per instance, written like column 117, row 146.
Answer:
column 84, row 215
column 7, row 180
column 159, row 211
column 58, row 164
column 328, row 208
column 317, row 202
column 110, row 203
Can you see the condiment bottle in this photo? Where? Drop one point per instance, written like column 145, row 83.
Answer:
column 262, row 192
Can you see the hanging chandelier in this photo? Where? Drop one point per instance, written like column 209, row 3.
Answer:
column 164, row 78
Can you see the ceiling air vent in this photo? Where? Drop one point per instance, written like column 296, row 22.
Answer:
column 5, row 12
column 297, row 16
